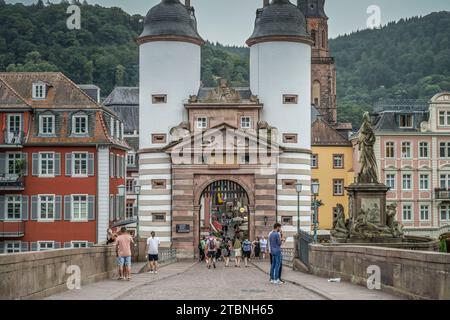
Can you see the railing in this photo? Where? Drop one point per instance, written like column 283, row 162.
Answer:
column 12, row 229
column 304, row 239
column 167, row 255
column 288, row 256
column 400, row 105
column 13, row 138
column 11, row 182
column 442, row 194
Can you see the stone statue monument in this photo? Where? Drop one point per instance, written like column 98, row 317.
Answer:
column 370, row 221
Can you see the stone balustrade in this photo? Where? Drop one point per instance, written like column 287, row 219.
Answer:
column 36, row 275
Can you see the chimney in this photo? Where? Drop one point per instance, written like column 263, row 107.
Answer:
column 265, row 3
column 187, row 3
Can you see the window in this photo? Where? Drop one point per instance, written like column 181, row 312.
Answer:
column 315, row 161
column 13, row 246
column 288, row 183
column 202, row 123
column 79, row 207
column 424, row 183
column 406, row 182
column 444, row 118
column 424, row 212
column 407, row 212
column 390, row 180
column 130, row 185
column 14, row 129
column 129, row 210
column 158, row 184
column 290, row 138
column 39, row 91
column 80, row 124
column 46, row 245
column 13, row 207
column 286, row 221
column 423, row 149
column 13, row 159
column 80, row 164
column 246, row 122
column 131, row 159
column 112, row 129
column 406, row 149
column 117, row 129
column 406, row 121
column 79, row 244
column 338, row 161
column 338, row 187
column 390, row 150
column 158, row 138
column 159, row 98
column 290, row 99
column 445, row 212
column 158, row 217
column 46, row 164
column 444, row 181
column 47, row 207
column 47, row 124
column 314, row 37
column 444, row 149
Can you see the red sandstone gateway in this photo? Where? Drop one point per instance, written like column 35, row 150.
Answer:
column 62, row 158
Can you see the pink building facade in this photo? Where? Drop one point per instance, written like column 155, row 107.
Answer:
column 413, row 156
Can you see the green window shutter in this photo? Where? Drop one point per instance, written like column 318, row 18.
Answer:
column 35, row 164
column 91, row 208
column 34, row 207
column 2, row 163
column 57, row 164
column 68, row 164
column 24, row 246
column 67, row 208
column 58, row 206
column 2, row 208
column 25, row 159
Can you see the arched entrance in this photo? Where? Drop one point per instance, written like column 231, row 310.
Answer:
column 224, row 210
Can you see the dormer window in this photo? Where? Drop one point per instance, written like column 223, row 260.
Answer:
column 80, row 124
column 246, row 122
column 39, row 90
column 47, row 124
column 202, row 123
column 444, row 118
column 406, row 121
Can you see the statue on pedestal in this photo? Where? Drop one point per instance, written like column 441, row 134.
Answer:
column 366, row 141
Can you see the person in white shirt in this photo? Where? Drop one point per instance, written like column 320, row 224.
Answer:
column 153, row 250
column 263, row 244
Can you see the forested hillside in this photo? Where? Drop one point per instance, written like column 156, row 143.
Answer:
column 406, row 59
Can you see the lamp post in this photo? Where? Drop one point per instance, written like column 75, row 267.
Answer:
column 315, row 191
column 137, row 191
column 298, row 188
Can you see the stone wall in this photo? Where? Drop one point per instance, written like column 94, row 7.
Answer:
column 411, row 274
column 36, row 275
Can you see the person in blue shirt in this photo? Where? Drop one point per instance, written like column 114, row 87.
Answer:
column 275, row 252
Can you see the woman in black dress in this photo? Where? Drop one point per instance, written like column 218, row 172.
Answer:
column 257, row 247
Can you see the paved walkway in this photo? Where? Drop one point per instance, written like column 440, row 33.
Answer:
column 190, row 280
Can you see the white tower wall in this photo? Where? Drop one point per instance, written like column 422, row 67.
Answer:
column 278, row 68
column 171, row 68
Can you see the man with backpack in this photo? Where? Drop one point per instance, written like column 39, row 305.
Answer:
column 212, row 250
column 247, row 251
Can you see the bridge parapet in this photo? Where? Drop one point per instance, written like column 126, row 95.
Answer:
column 36, row 275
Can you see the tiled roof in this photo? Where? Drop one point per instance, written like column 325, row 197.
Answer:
column 323, row 134
column 124, row 101
column 9, row 99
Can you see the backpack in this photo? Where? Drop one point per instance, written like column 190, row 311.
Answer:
column 247, row 246
column 211, row 245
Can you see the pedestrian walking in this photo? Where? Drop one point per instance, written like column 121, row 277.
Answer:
column 153, row 252
column 237, row 248
column 201, row 248
column 257, row 248
column 227, row 247
column 263, row 243
column 123, row 251
column 246, row 251
column 275, row 252
column 212, row 251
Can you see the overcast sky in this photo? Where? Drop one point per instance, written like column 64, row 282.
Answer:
column 231, row 21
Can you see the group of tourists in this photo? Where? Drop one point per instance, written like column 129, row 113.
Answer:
column 213, row 249
column 123, row 242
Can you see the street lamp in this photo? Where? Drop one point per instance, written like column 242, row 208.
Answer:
column 137, row 191
column 315, row 191
column 298, row 188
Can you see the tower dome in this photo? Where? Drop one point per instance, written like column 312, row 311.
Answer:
column 280, row 20
column 171, row 20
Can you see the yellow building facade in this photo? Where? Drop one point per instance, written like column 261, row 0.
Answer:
column 332, row 167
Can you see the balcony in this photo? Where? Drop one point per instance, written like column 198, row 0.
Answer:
column 11, row 182
column 13, row 138
column 12, row 229
column 442, row 194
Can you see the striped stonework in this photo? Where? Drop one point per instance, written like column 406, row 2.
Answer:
column 154, row 199
column 294, row 166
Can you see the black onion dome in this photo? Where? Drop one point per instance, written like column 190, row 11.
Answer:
column 279, row 18
column 171, row 18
